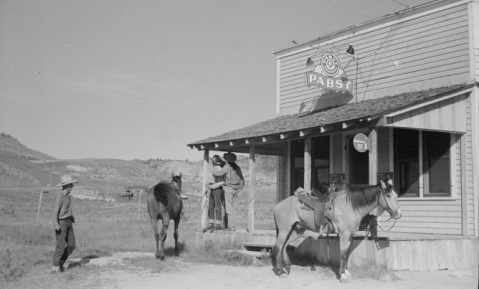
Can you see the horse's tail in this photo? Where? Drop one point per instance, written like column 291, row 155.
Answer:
column 165, row 193
column 276, row 225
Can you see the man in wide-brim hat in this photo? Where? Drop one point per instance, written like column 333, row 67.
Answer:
column 234, row 183
column 63, row 219
column 216, row 197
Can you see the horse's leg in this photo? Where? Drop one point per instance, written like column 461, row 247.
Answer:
column 154, row 225
column 175, row 234
column 164, row 229
column 277, row 252
column 293, row 236
column 344, row 244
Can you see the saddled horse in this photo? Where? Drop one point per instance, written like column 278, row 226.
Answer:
column 345, row 213
column 164, row 203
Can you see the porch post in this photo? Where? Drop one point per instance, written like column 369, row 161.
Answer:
column 307, row 164
column 373, row 174
column 205, row 201
column 373, row 156
column 287, row 170
column 252, row 183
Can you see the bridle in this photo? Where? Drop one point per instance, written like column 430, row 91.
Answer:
column 388, row 209
column 176, row 184
column 382, row 193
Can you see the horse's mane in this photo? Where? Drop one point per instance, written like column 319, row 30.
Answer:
column 362, row 197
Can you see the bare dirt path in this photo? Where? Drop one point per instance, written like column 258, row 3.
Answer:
column 203, row 276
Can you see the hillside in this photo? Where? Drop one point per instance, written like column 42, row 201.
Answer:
column 11, row 144
column 26, row 168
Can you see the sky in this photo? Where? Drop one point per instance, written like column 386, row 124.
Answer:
column 142, row 79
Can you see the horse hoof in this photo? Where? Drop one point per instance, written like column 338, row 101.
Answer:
column 345, row 278
column 283, row 275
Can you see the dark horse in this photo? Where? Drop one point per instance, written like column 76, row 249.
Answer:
column 165, row 203
column 345, row 214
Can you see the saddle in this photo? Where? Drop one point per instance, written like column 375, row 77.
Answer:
column 316, row 201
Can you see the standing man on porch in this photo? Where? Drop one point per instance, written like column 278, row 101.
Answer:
column 234, row 183
column 62, row 223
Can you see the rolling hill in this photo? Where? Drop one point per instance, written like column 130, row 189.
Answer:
column 26, row 168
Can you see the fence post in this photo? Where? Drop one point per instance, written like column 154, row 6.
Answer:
column 40, row 204
column 139, row 203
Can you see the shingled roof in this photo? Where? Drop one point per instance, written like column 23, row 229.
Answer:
column 369, row 109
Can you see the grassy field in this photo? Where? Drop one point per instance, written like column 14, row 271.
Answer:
column 101, row 228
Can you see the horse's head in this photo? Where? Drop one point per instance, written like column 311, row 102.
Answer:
column 388, row 199
column 176, row 178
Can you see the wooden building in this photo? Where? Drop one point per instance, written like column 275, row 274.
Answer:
column 408, row 82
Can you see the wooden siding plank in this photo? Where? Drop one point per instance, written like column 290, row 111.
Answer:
column 437, row 231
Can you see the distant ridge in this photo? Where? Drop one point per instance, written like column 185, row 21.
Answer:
column 11, row 144
column 23, row 167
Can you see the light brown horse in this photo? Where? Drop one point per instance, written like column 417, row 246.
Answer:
column 348, row 209
column 164, row 203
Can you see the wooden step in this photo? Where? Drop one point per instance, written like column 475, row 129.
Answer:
column 257, row 246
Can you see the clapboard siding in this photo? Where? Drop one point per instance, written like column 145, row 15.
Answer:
column 415, row 56
column 422, row 53
column 447, row 115
column 469, row 171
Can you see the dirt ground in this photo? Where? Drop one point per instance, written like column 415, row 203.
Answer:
column 199, row 276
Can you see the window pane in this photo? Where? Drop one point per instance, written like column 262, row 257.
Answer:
column 439, row 183
column 406, row 162
column 437, row 163
column 409, row 179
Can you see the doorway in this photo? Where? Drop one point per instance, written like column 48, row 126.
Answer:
column 358, row 165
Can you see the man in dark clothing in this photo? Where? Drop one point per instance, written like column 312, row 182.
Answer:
column 234, row 183
column 62, row 218
column 217, row 196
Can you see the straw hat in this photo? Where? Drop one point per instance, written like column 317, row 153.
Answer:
column 229, row 157
column 65, row 180
column 218, row 161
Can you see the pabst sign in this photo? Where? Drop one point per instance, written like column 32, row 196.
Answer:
column 327, row 74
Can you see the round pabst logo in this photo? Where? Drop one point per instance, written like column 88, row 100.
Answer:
column 330, row 64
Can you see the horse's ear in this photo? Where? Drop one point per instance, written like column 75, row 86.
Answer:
column 383, row 185
column 390, row 181
column 181, row 175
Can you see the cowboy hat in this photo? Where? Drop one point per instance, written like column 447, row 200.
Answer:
column 217, row 160
column 229, row 157
column 65, row 180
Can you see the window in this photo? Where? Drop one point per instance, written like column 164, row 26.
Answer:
column 428, row 150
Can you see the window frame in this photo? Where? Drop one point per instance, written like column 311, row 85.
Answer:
column 452, row 169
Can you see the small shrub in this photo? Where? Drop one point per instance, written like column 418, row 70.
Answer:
column 8, row 270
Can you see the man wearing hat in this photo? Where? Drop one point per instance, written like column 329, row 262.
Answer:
column 217, row 197
column 234, row 183
column 62, row 223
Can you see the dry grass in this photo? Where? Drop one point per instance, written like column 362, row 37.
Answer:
column 26, row 245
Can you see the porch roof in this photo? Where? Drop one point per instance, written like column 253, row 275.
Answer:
column 352, row 115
